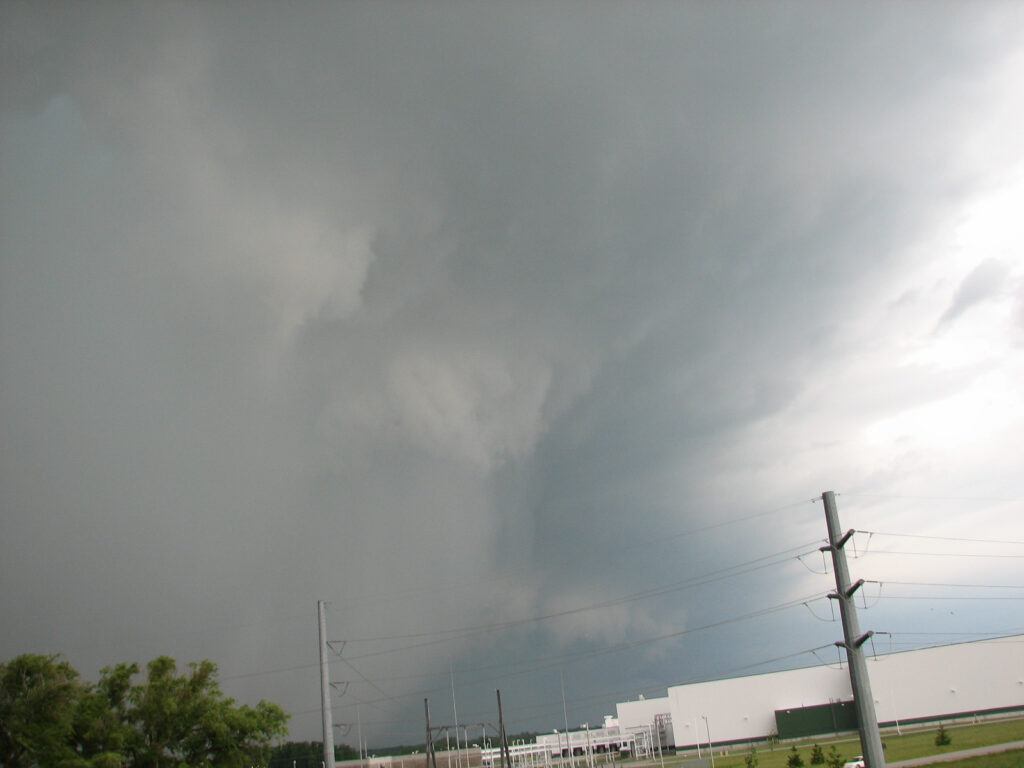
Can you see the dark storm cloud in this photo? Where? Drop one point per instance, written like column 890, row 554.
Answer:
column 451, row 314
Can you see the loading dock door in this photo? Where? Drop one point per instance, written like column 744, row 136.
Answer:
column 834, row 717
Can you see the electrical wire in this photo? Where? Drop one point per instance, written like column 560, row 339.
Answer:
column 623, row 692
column 619, row 693
column 369, row 682
column 944, row 554
column 737, row 570
column 930, row 498
column 839, row 658
column 244, row 675
column 466, row 632
column 948, row 597
column 946, row 584
column 942, row 538
column 554, row 661
column 749, row 566
column 995, row 636
column 819, row 618
column 376, row 600
column 1001, row 633
column 722, row 524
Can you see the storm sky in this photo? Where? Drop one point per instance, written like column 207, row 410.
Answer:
column 525, row 334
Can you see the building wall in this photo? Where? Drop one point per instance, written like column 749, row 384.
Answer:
column 743, row 708
column 924, row 684
column 580, row 742
column 954, row 679
column 641, row 713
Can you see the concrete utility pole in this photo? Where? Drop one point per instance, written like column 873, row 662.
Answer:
column 870, row 740
column 325, row 687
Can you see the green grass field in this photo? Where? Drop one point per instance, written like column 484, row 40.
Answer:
column 1011, row 759
column 915, row 741
column 922, row 743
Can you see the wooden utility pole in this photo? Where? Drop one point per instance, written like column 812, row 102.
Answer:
column 506, row 758
column 429, row 756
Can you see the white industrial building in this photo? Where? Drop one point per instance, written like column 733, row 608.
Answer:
column 969, row 679
column 977, row 679
column 547, row 749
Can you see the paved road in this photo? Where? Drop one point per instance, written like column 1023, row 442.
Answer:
column 945, row 757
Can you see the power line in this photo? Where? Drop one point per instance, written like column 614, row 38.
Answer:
column 942, row 584
column 625, row 692
column 620, row 692
column 940, row 644
column 455, row 586
column 930, row 498
column 948, row 597
column 1001, row 633
column 713, row 576
column 722, row 524
column 942, row 554
column 366, row 680
column 270, row 671
column 1006, row 636
column 942, row 538
column 739, row 569
column 446, row 635
column 553, row 661
column 732, row 670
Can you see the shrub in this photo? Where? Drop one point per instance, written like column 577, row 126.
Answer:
column 941, row 737
column 817, row 755
column 794, row 760
column 751, row 758
column 835, row 760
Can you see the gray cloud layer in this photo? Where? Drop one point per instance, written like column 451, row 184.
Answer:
column 458, row 314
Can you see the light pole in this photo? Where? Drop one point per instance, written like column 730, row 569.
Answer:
column 711, row 750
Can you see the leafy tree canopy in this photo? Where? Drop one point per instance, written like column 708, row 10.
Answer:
column 38, row 696
column 48, row 717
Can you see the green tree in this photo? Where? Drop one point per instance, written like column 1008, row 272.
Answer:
column 48, row 719
column 186, row 721
column 941, row 737
column 834, row 760
column 750, row 759
column 817, row 755
column 794, row 760
column 38, row 695
column 101, row 728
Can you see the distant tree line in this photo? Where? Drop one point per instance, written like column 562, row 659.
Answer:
column 306, row 754
column 50, row 718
